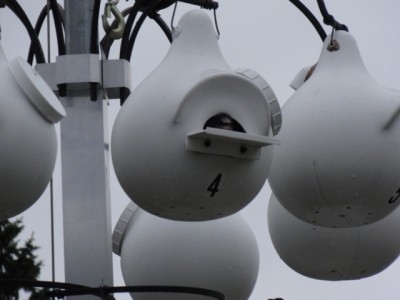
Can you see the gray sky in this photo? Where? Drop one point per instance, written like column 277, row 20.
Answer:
column 273, row 38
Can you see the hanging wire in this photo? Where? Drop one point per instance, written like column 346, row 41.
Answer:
column 309, row 15
column 333, row 45
column 173, row 15
column 53, row 264
column 53, row 260
column 216, row 22
column 58, row 17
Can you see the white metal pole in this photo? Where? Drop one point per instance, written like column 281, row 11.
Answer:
column 85, row 172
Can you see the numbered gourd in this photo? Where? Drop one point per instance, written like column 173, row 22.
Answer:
column 194, row 143
column 339, row 162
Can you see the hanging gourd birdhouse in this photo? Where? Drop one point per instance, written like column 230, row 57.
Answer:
column 28, row 112
column 333, row 253
column 339, row 161
column 194, row 141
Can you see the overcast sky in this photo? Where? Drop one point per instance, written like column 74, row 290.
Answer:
column 275, row 39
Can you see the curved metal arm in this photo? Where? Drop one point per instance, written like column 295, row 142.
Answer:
column 139, row 289
column 20, row 13
column 310, row 17
column 328, row 18
column 68, row 289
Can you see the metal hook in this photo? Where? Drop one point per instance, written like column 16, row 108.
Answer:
column 216, row 22
column 333, row 44
column 173, row 15
column 113, row 31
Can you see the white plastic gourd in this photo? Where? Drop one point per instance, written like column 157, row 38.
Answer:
column 334, row 253
column 28, row 111
column 338, row 164
column 219, row 255
column 193, row 141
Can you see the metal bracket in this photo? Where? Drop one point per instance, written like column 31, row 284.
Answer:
column 228, row 143
column 77, row 71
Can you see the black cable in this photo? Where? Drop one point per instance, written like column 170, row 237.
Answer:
column 164, row 26
column 164, row 4
column 128, row 28
column 94, row 37
column 144, row 5
column 317, row 25
column 206, row 4
column 138, row 289
column 20, row 13
column 173, row 15
column 216, row 22
column 107, row 42
column 69, row 289
column 95, row 28
column 132, row 39
column 128, row 40
column 125, row 53
column 124, row 93
column 38, row 283
column 328, row 18
column 58, row 18
column 58, row 25
column 38, row 27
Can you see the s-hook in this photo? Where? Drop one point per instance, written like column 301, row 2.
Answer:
column 115, row 32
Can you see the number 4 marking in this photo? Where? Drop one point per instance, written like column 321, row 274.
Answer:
column 394, row 199
column 213, row 188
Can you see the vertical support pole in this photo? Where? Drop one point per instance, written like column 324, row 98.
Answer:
column 85, row 172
